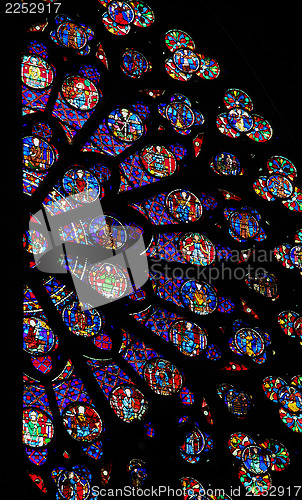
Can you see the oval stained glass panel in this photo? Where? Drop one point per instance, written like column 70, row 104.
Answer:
column 180, row 115
column 120, row 12
column 186, row 60
column 38, row 338
column 37, row 154
column 226, row 164
column 199, row 297
column 71, row 35
column 128, row 403
column 108, row 232
column 82, row 323
column 38, row 429
column 163, row 377
column 81, row 184
column 73, row 486
column 255, row 459
column 108, row 280
column 82, row 422
column 36, row 73
column 197, row 249
column 80, row 93
column 125, row 125
column 249, row 342
column 244, row 225
column 184, row 205
column 158, row 161
column 279, row 186
column 188, row 337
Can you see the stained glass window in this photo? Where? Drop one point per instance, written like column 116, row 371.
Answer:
column 162, row 257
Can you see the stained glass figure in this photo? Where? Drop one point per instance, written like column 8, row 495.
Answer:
column 197, row 249
column 81, row 184
column 38, row 429
column 134, row 64
column 163, row 377
column 82, row 422
column 158, row 161
column 239, row 121
column 128, row 403
column 36, row 73
column 199, row 297
column 237, row 401
column 80, row 93
column 38, row 155
column 72, row 35
column 226, row 164
column 38, row 338
column 184, row 205
column 180, row 114
column 73, row 483
column 250, row 341
column 189, row 338
column 125, row 125
column 138, row 472
column 244, row 224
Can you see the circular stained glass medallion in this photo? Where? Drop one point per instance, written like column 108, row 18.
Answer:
column 82, row 323
column 158, row 161
column 199, row 297
column 37, row 154
column 244, row 224
column 180, row 115
column 81, row 184
column 249, row 342
column 290, row 399
column 184, row 205
column 128, row 403
column 120, row 12
column 186, row 60
column 279, row 186
column 226, row 164
column 38, row 429
column 82, row 422
column 71, row 35
column 125, row 125
column 73, row 486
column 38, row 338
column 240, row 120
column 108, row 232
column 108, row 280
column 255, row 459
column 163, row 377
column 197, row 249
column 36, row 73
column 188, row 337
column 80, row 93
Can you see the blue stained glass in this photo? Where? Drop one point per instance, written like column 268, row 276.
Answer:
column 199, row 297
